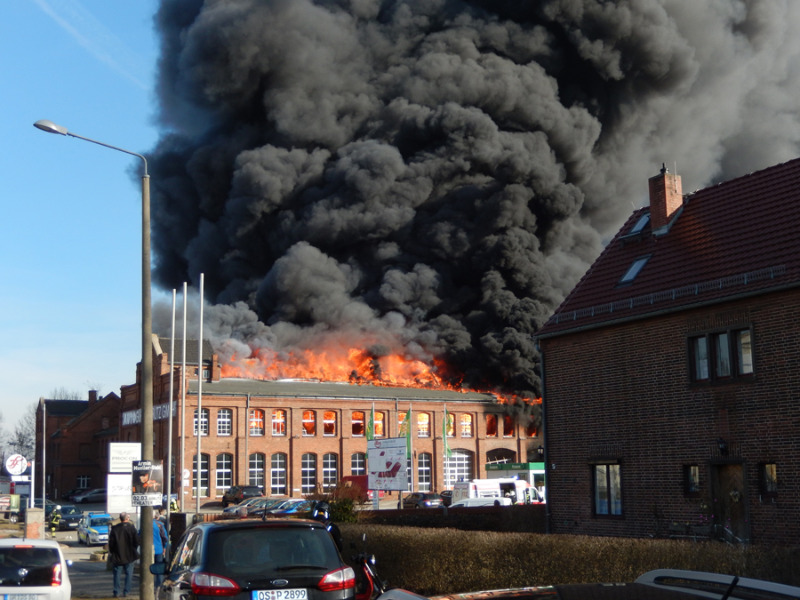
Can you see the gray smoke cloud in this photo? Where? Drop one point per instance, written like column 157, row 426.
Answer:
column 433, row 176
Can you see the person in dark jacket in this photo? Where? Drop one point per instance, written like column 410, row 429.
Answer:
column 123, row 544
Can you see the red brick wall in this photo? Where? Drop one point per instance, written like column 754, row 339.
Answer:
column 624, row 392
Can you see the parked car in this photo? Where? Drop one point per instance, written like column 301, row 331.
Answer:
column 90, row 497
column 70, row 517
column 244, row 504
column 33, row 568
column 296, row 508
column 237, row 493
column 74, row 492
column 661, row 584
column 422, row 500
column 278, row 559
column 24, row 501
column 93, row 528
column 476, row 502
column 257, row 508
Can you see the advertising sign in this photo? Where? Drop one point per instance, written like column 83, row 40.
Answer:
column 386, row 459
column 121, row 455
column 147, row 482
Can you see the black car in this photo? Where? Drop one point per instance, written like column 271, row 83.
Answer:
column 422, row 500
column 237, row 493
column 70, row 516
column 276, row 559
column 661, row 584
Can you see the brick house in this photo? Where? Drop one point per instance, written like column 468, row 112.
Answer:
column 672, row 372
column 77, row 433
column 299, row 437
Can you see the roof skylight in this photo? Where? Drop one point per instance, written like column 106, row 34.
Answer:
column 634, row 269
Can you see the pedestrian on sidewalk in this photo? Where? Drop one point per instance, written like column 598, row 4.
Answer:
column 123, row 544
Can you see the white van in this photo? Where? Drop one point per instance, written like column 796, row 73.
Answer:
column 518, row 491
column 471, row 502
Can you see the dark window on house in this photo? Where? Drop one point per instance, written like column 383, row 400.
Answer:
column 691, row 480
column 769, row 479
column 634, row 270
column 721, row 356
column 607, row 489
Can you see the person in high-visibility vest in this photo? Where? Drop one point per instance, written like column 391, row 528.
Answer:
column 55, row 520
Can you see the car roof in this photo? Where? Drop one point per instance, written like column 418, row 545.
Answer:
column 37, row 543
column 258, row 524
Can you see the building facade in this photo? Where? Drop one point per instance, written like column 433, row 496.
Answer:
column 297, row 438
column 671, row 371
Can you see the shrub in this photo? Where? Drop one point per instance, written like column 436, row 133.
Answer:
column 444, row 561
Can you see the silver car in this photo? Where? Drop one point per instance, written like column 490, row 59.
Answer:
column 33, row 568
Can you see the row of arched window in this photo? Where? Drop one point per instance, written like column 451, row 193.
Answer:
column 275, row 479
column 326, row 422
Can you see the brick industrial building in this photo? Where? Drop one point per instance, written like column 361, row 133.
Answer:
column 672, row 372
column 299, row 437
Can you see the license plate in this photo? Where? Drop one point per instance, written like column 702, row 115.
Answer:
column 291, row 594
column 21, row 596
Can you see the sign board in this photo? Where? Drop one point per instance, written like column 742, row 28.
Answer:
column 386, row 459
column 119, row 494
column 147, row 483
column 121, row 456
column 16, row 464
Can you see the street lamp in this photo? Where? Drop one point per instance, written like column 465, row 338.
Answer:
column 146, row 388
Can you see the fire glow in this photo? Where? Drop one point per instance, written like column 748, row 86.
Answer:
column 353, row 366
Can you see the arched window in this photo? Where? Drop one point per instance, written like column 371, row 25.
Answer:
column 278, row 422
column 509, row 425
column 308, row 473
column 256, row 422
column 203, row 422
column 358, row 463
column 224, row 472
column 467, row 430
column 358, row 423
column 278, row 474
column 423, row 425
column 224, row 421
column 500, row 455
column 329, row 423
column 424, row 463
column 255, row 468
column 491, row 425
column 330, row 471
column 380, row 427
column 309, row 423
column 204, row 460
column 450, row 425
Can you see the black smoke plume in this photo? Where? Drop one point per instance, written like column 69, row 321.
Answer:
column 435, row 175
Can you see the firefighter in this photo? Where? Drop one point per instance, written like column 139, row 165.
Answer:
column 55, row 520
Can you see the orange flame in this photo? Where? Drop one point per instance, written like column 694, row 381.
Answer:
column 353, row 366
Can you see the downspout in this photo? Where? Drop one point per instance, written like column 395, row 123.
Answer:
column 544, row 443
column 247, row 446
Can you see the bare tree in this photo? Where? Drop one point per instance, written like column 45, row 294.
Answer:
column 23, row 439
column 63, row 393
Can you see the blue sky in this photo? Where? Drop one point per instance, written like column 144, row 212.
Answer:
column 70, row 307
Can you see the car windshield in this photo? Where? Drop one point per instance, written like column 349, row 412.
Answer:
column 99, row 521
column 256, row 551
column 26, row 566
column 69, row 510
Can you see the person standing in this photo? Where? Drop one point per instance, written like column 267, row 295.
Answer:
column 159, row 548
column 123, row 543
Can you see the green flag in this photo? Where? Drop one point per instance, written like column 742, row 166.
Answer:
column 371, row 425
column 405, row 429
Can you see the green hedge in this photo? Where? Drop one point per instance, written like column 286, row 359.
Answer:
column 441, row 561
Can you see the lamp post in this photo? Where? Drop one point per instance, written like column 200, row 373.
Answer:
column 146, row 386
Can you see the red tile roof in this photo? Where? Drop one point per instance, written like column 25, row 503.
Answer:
column 737, row 238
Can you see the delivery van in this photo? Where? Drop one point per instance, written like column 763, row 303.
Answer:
column 518, row 491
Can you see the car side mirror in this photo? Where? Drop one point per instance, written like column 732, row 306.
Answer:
column 159, row 568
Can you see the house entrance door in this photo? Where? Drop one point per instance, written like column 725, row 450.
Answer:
column 729, row 507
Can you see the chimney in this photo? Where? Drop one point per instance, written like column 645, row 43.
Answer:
column 666, row 197
column 92, row 397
